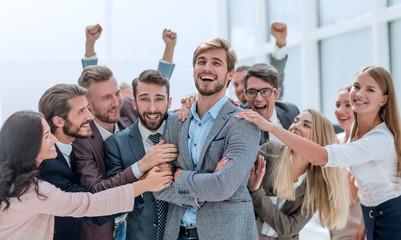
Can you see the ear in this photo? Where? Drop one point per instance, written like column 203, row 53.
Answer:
column 169, row 102
column 230, row 75
column 277, row 93
column 134, row 104
column 58, row 121
column 384, row 100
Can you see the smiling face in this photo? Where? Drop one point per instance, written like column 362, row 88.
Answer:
column 239, row 85
column 210, row 72
column 105, row 100
column 151, row 102
column 302, row 125
column 262, row 105
column 77, row 123
column 47, row 149
column 366, row 96
column 343, row 110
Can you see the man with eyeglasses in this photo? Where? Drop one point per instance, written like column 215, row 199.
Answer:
column 261, row 92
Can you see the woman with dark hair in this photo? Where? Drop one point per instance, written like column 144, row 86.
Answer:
column 28, row 205
column 373, row 152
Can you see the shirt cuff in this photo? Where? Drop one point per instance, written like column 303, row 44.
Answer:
column 279, row 53
column 94, row 57
column 137, row 173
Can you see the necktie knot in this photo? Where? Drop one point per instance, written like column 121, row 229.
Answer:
column 155, row 138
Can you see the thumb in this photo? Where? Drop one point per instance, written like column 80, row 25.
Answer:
column 161, row 142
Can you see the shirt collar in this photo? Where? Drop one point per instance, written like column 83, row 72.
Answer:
column 104, row 133
column 274, row 119
column 65, row 149
column 214, row 111
column 146, row 132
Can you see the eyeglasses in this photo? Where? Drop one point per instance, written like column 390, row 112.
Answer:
column 264, row 92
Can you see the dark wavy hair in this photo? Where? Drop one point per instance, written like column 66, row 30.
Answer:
column 20, row 143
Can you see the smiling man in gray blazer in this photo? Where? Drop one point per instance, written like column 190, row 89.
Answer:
column 204, row 203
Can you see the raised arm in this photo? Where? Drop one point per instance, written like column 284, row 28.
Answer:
column 92, row 34
column 279, row 57
column 166, row 65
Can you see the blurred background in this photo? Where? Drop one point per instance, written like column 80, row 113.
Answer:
column 42, row 42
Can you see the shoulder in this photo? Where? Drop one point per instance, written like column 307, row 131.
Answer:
column 286, row 106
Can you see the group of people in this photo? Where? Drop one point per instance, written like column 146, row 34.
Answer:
column 113, row 167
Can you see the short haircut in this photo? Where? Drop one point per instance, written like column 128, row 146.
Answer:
column 242, row 68
column 124, row 85
column 54, row 102
column 151, row 76
column 264, row 71
column 92, row 74
column 217, row 43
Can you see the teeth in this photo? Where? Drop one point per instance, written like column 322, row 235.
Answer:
column 51, row 149
column 152, row 116
column 207, row 78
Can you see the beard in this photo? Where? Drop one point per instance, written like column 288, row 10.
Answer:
column 152, row 125
column 104, row 116
column 74, row 131
column 216, row 88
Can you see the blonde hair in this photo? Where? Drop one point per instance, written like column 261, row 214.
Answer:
column 389, row 112
column 324, row 186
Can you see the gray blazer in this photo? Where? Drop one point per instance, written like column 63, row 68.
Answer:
column 228, row 211
column 289, row 220
column 122, row 150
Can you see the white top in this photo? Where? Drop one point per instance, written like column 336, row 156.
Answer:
column 341, row 137
column 274, row 119
column 66, row 150
column 373, row 161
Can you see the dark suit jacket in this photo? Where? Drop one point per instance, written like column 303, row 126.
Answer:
column 91, row 172
column 57, row 172
column 122, row 150
column 286, row 112
column 289, row 220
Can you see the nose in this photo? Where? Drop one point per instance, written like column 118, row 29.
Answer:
column 54, row 139
column 152, row 107
column 259, row 96
column 89, row 115
column 117, row 100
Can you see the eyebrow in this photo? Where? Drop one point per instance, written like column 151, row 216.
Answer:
column 213, row 58
column 308, row 121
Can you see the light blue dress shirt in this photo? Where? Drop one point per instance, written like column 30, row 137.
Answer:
column 198, row 131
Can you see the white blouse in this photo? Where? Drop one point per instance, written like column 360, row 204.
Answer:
column 373, row 161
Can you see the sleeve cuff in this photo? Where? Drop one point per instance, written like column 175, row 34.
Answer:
column 94, row 57
column 279, row 53
column 137, row 173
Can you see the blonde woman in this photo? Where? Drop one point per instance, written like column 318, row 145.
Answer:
column 373, row 154
column 345, row 117
column 292, row 190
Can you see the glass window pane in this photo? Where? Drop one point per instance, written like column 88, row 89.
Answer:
column 341, row 58
column 287, row 11
column 393, row 2
column 292, row 78
column 395, row 57
column 331, row 12
column 242, row 24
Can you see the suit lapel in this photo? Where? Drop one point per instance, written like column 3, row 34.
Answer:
column 135, row 142
column 183, row 141
column 282, row 116
column 222, row 118
column 60, row 157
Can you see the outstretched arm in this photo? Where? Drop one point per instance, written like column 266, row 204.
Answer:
column 279, row 56
column 313, row 152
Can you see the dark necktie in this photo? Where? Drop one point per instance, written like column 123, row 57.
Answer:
column 161, row 206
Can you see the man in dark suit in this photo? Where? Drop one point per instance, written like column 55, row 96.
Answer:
column 105, row 103
column 151, row 100
column 261, row 92
column 64, row 107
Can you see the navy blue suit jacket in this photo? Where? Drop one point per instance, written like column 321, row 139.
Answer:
column 57, row 172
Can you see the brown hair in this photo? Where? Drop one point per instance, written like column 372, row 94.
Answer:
column 264, row 71
column 153, row 77
column 20, row 143
column 92, row 74
column 217, row 43
column 54, row 102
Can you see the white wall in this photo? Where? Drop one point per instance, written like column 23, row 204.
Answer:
column 42, row 42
